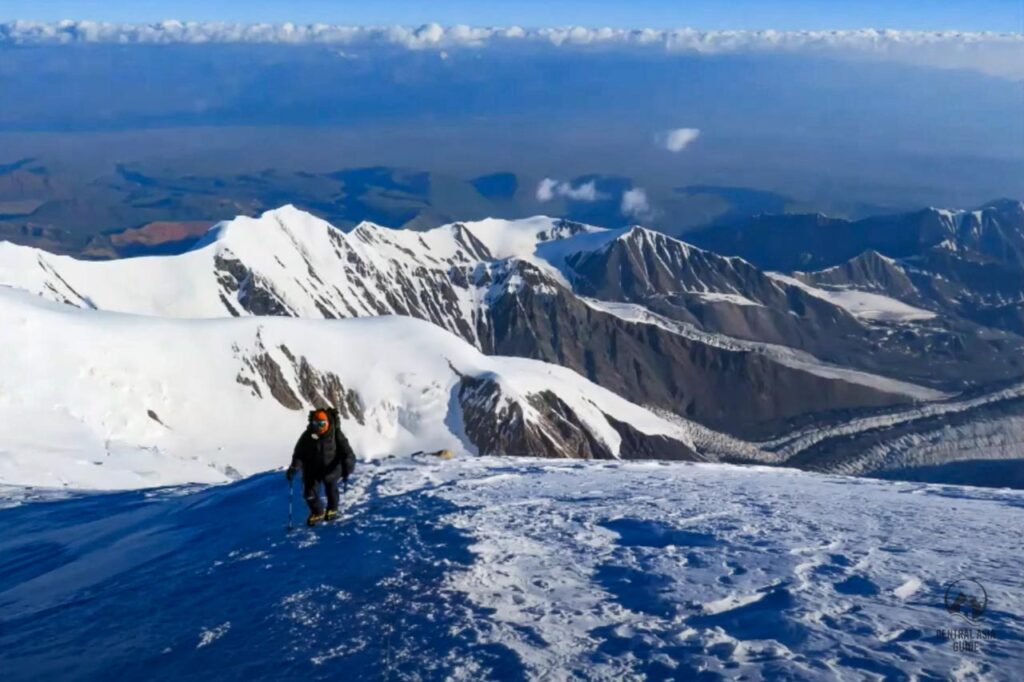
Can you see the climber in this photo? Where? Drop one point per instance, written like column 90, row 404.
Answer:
column 324, row 455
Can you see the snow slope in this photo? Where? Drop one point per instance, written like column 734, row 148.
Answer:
column 90, row 399
column 863, row 304
column 304, row 261
column 481, row 568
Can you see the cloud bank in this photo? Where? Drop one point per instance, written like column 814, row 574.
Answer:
column 550, row 189
column 994, row 53
column 679, row 139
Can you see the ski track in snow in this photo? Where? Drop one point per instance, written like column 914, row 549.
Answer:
column 487, row 568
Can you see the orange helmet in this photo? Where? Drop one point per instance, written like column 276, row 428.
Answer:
column 320, row 422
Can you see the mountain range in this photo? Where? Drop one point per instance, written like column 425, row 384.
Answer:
column 633, row 343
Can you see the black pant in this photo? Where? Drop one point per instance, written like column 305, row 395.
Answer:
column 311, row 494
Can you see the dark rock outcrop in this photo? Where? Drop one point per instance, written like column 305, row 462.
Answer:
column 273, row 377
column 738, row 392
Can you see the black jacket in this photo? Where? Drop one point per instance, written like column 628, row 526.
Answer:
column 327, row 457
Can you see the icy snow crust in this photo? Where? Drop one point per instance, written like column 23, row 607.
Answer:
column 482, row 568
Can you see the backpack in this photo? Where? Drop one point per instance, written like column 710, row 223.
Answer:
column 349, row 456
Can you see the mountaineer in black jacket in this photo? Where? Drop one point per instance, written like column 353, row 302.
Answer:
column 324, row 455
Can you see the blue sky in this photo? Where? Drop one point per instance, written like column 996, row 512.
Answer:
column 993, row 15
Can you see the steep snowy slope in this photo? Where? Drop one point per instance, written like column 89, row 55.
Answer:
column 478, row 569
column 285, row 262
column 100, row 400
column 288, row 262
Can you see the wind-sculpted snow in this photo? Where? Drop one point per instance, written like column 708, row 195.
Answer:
column 483, row 568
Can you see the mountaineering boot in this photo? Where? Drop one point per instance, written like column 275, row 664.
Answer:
column 314, row 518
column 331, row 515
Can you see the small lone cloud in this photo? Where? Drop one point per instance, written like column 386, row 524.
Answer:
column 635, row 203
column 679, row 139
column 210, row 635
column 550, row 189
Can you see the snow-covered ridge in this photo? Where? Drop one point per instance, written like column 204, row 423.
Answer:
column 288, row 262
column 308, row 268
column 138, row 401
column 502, row 286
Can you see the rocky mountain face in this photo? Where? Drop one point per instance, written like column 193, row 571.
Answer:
column 728, row 296
column 870, row 271
column 993, row 233
column 914, row 317
column 650, row 364
column 962, row 264
column 544, row 423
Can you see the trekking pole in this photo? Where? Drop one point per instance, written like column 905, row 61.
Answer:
column 291, row 502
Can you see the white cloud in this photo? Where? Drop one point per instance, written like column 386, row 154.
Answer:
column 993, row 53
column 635, row 203
column 546, row 189
column 679, row 139
column 550, row 188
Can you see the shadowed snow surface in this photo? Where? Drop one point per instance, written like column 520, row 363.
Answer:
column 482, row 568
